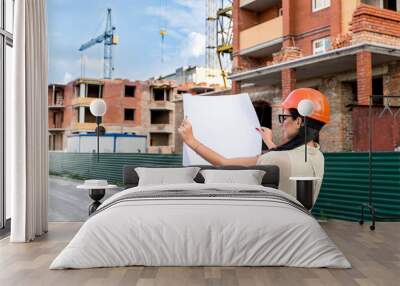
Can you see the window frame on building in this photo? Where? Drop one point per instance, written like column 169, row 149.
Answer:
column 125, row 110
column 326, row 45
column 318, row 5
column 6, row 45
column 130, row 86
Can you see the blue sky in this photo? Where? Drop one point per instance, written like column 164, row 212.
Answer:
column 138, row 56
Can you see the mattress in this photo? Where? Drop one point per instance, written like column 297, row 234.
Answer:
column 201, row 225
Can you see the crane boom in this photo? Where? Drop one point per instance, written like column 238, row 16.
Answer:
column 109, row 40
column 92, row 42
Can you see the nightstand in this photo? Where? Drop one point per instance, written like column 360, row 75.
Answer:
column 304, row 190
column 96, row 193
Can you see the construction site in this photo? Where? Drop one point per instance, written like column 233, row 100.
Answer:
column 150, row 108
column 266, row 49
column 346, row 49
column 262, row 148
column 200, row 142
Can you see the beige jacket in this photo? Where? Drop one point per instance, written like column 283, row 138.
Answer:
column 291, row 163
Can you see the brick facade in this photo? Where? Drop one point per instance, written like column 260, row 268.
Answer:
column 288, row 81
column 391, row 83
column 385, row 129
column 286, row 54
column 119, row 104
column 335, row 135
column 374, row 25
column 364, row 77
column 376, row 20
column 236, row 42
column 346, row 23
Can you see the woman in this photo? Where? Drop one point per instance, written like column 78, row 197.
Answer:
column 289, row 156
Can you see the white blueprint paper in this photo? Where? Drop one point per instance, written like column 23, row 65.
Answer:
column 225, row 123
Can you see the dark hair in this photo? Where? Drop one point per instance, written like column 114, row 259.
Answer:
column 313, row 128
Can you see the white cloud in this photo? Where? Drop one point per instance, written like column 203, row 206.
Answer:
column 194, row 46
column 185, row 23
column 70, row 70
column 185, row 16
column 67, row 77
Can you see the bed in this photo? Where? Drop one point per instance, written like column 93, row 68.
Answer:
column 198, row 224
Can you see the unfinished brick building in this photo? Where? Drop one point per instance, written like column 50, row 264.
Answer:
column 135, row 107
column 348, row 49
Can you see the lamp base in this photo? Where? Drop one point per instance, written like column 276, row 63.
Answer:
column 304, row 193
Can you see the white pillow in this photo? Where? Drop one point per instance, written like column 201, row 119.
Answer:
column 165, row 176
column 248, row 177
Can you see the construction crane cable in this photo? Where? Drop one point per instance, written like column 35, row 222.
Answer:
column 100, row 26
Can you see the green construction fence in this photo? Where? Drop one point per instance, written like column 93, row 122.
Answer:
column 344, row 188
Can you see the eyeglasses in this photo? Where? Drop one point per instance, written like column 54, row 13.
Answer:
column 283, row 117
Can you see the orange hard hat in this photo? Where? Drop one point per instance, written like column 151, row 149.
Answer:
column 321, row 108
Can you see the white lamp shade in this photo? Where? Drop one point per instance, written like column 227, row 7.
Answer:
column 305, row 107
column 98, row 107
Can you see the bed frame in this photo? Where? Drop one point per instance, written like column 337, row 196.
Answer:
column 270, row 179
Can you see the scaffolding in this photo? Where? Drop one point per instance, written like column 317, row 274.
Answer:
column 211, row 33
column 219, row 34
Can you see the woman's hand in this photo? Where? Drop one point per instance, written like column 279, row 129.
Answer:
column 266, row 134
column 186, row 132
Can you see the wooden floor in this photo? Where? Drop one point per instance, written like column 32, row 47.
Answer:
column 375, row 257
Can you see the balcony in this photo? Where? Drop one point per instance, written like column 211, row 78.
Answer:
column 160, row 149
column 82, row 101
column 168, row 128
column 162, row 105
column 83, row 127
column 56, row 129
column 56, row 106
column 263, row 39
column 372, row 24
column 258, row 5
column 335, row 61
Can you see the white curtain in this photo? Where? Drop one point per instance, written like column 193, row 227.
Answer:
column 27, row 155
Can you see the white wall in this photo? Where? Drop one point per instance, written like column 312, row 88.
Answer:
column 130, row 144
column 197, row 75
column 73, row 144
column 88, row 144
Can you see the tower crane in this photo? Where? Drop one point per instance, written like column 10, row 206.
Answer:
column 219, row 35
column 163, row 28
column 109, row 39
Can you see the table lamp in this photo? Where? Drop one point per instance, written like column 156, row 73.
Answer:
column 98, row 108
column 305, row 108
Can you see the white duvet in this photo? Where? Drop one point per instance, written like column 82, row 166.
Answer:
column 192, row 231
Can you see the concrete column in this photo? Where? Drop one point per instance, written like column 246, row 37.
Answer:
column 364, row 77
column 276, row 126
column 391, row 83
column 100, row 87
column 337, row 135
column 82, row 90
column 81, row 114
